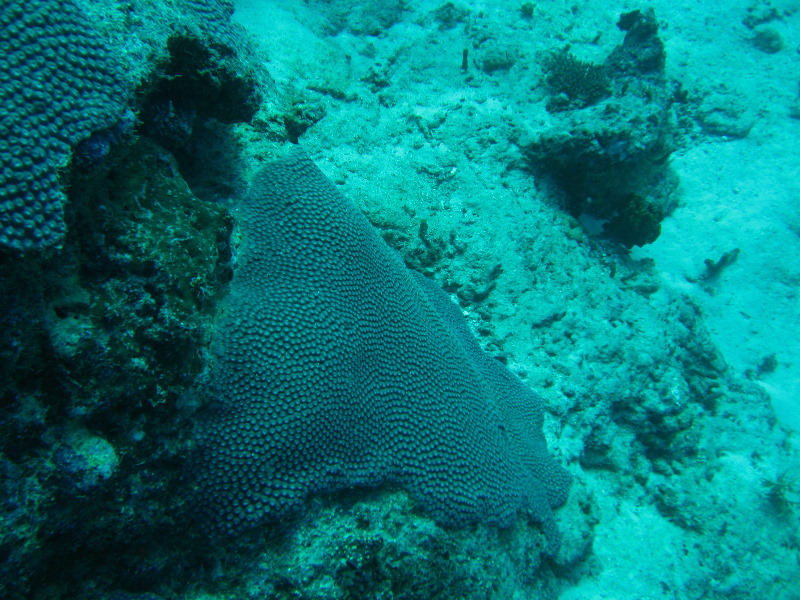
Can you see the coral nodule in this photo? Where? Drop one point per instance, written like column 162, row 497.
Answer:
column 338, row 368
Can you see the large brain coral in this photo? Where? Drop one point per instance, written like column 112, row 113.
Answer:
column 337, row 367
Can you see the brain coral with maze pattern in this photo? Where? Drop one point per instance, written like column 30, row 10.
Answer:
column 58, row 85
column 337, row 367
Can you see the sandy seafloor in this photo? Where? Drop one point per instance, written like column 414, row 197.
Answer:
column 442, row 145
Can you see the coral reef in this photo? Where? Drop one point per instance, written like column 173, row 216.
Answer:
column 636, row 223
column 715, row 267
column 609, row 157
column 337, row 368
column 642, row 51
column 450, row 15
column 580, row 82
column 106, row 353
column 199, row 77
column 91, row 152
column 381, row 547
column 783, row 493
column 496, row 58
column 99, row 345
column 721, row 113
column 767, row 39
column 64, row 90
column 58, row 85
column 373, row 17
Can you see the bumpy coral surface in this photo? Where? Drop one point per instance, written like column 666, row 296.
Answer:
column 58, row 85
column 337, row 368
column 582, row 82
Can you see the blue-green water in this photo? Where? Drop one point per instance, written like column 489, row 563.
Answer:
column 220, row 380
